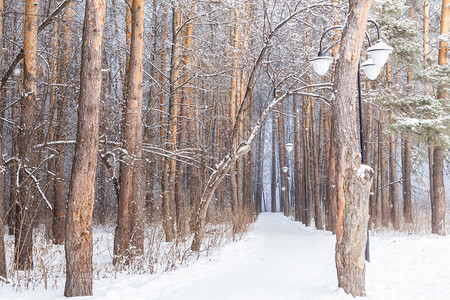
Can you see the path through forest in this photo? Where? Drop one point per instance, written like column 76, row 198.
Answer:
column 280, row 259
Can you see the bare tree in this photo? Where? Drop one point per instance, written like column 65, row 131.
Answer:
column 3, row 271
column 26, row 139
column 79, row 235
column 59, row 197
column 129, row 230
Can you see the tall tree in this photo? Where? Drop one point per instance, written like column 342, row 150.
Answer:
column 352, row 180
column 297, row 175
column 406, row 151
column 23, row 250
column 79, row 235
column 130, row 217
column 273, row 176
column 438, row 199
column 3, row 271
column 384, row 171
column 282, row 160
column 393, row 184
column 59, row 197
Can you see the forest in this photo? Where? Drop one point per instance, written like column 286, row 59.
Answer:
column 169, row 126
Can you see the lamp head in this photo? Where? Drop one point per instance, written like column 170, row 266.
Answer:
column 289, row 147
column 321, row 63
column 285, row 169
column 370, row 69
column 379, row 53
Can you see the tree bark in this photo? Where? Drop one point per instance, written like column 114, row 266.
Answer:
column 374, row 206
column 438, row 200
column 297, row 172
column 315, row 163
column 23, row 251
column 130, row 219
column 406, row 170
column 79, row 235
column 384, row 186
column 273, row 184
column 60, row 134
column 282, row 160
column 353, row 180
column 393, row 184
column 3, row 268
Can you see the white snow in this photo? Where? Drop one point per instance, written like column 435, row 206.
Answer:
column 282, row 259
column 363, row 169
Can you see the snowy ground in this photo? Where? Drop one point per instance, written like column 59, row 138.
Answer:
column 281, row 259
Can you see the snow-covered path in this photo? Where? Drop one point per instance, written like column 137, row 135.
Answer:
column 281, row 259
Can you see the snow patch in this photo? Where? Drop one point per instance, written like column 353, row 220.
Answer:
column 363, row 169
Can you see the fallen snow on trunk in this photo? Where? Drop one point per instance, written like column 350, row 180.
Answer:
column 281, row 259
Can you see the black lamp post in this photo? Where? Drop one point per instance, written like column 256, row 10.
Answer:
column 379, row 54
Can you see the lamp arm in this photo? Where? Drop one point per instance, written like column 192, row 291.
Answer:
column 376, row 25
column 323, row 34
column 289, row 138
column 340, row 27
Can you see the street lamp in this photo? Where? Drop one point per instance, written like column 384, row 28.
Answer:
column 290, row 146
column 379, row 54
column 285, row 169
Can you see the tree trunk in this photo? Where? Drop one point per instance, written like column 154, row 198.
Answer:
column 60, row 133
column 297, row 174
column 282, row 160
column 273, row 185
column 406, row 170
column 172, row 131
column 393, row 184
column 235, row 36
column 438, row 200
column 79, row 237
column 309, row 212
column 130, row 218
column 23, row 251
column 426, row 88
column 259, row 173
column 163, row 164
column 3, row 268
column 384, row 186
column 316, row 170
column 375, row 189
column 353, row 180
